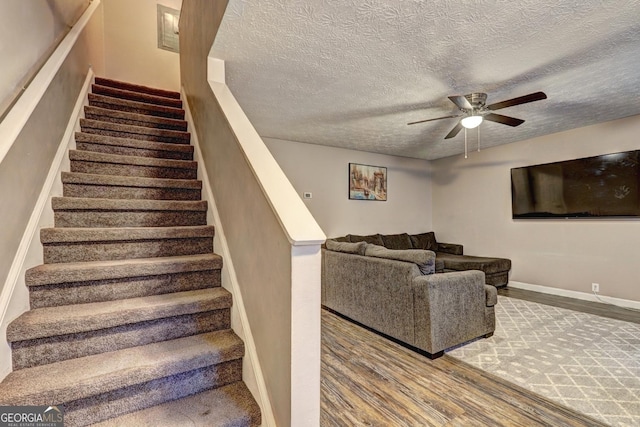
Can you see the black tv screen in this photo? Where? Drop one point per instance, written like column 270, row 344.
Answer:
column 592, row 187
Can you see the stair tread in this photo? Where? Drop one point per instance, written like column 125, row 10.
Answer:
column 145, row 119
column 230, row 405
column 133, row 129
column 114, row 102
column 94, row 138
column 46, row 274
column 73, row 319
column 82, row 203
column 136, row 87
column 72, row 234
column 87, row 376
column 91, row 156
column 137, row 96
column 128, row 181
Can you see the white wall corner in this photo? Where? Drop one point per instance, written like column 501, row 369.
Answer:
column 215, row 70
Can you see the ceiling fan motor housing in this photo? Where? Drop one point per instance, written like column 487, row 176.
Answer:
column 477, row 99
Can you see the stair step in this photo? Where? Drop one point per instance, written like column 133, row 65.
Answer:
column 134, row 132
column 231, row 405
column 132, row 147
column 112, row 103
column 95, row 388
column 114, row 164
column 136, row 96
column 136, row 88
column 92, row 212
column 96, row 281
column 103, row 244
column 129, row 187
column 126, row 118
column 47, row 335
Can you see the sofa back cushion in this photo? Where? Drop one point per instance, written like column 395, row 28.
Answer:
column 425, row 260
column 375, row 239
column 397, row 241
column 425, row 241
column 346, row 247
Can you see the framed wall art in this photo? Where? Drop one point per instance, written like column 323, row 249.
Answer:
column 367, row 182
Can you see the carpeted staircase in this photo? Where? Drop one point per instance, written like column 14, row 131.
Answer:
column 129, row 325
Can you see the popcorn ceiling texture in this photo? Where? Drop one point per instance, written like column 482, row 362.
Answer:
column 352, row 73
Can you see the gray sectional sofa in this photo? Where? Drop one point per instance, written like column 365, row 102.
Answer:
column 397, row 293
column 449, row 256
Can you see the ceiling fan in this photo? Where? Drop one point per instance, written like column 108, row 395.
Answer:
column 475, row 111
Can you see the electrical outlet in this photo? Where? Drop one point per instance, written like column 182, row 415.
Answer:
column 307, row 195
column 595, row 287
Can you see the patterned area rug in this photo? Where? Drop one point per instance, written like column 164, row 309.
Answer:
column 585, row 362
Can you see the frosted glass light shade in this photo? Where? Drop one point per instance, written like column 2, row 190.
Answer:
column 471, row 122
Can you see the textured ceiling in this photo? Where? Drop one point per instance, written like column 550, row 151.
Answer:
column 352, row 73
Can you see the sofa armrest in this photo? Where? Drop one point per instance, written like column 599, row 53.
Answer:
column 449, row 309
column 450, row 248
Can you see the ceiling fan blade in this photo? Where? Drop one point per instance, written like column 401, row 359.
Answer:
column 505, row 120
column 430, row 120
column 461, row 102
column 537, row 96
column 454, row 131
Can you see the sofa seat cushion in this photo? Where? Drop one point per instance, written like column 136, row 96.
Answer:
column 425, row 260
column 467, row 262
column 397, row 241
column 374, row 239
column 439, row 266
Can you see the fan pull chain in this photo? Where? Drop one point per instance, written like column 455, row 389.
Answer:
column 478, row 139
column 465, row 144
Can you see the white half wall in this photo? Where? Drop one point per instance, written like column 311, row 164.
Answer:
column 472, row 200
column 324, row 172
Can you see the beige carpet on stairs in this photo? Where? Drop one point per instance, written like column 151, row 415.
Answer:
column 129, row 324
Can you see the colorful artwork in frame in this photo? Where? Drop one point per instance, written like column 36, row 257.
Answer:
column 367, row 182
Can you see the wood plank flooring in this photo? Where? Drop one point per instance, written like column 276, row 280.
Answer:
column 370, row 381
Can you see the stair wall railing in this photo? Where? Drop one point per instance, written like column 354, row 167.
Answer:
column 34, row 136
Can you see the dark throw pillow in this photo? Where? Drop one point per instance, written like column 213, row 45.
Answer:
column 397, row 241
column 426, row 241
column 372, row 238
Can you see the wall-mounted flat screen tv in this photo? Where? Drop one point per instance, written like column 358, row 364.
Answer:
column 592, row 187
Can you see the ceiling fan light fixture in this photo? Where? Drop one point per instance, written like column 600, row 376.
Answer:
column 471, row 122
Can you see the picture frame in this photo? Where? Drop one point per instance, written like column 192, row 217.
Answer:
column 367, row 182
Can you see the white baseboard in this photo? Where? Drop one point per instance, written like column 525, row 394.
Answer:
column 251, row 370
column 575, row 294
column 14, row 299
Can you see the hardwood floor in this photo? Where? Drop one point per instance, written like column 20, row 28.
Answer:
column 597, row 308
column 368, row 380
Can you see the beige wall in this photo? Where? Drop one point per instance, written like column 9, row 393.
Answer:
column 29, row 31
column 24, row 169
column 131, row 51
column 323, row 171
column 472, row 206
column 260, row 251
